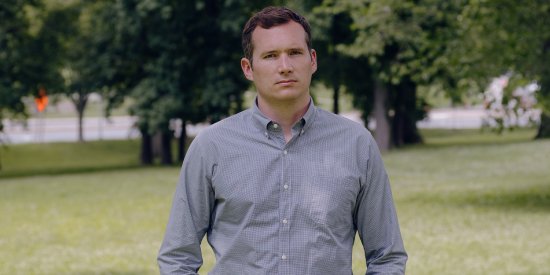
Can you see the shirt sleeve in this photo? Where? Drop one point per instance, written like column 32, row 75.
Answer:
column 180, row 252
column 376, row 219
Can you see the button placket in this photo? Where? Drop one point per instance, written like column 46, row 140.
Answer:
column 285, row 204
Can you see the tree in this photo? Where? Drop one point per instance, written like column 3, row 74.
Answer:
column 187, row 54
column 329, row 31
column 13, row 36
column 513, row 38
column 405, row 44
column 69, row 38
column 61, row 26
column 25, row 65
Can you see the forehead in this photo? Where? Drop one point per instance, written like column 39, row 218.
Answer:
column 288, row 35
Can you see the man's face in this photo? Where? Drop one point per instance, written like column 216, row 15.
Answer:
column 282, row 64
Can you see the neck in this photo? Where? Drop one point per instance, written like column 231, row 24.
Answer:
column 286, row 114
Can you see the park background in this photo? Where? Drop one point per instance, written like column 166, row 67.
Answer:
column 470, row 201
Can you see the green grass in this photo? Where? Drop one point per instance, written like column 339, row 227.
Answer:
column 478, row 205
column 107, row 222
column 59, row 158
column 468, row 203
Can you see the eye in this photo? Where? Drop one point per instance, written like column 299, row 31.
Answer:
column 295, row 52
column 270, row 56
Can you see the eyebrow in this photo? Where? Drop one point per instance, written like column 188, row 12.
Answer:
column 270, row 52
column 287, row 50
column 297, row 49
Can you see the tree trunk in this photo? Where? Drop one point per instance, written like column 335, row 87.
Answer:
column 382, row 132
column 166, row 148
column 182, row 141
column 146, row 155
column 336, row 98
column 544, row 127
column 544, row 94
column 80, row 125
column 335, row 84
column 404, row 130
column 157, row 145
column 80, row 101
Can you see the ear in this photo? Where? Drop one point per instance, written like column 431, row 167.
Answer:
column 246, row 66
column 313, row 61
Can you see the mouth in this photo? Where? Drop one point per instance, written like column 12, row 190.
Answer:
column 286, row 82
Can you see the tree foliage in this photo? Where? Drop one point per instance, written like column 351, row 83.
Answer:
column 25, row 57
column 402, row 44
column 513, row 38
column 329, row 31
column 177, row 60
column 180, row 59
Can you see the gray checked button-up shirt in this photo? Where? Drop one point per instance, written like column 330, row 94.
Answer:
column 271, row 207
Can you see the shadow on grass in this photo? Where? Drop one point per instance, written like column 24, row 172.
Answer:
column 441, row 138
column 72, row 171
column 112, row 272
column 530, row 200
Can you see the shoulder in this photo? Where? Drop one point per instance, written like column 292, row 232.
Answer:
column 224, row 129
column 350, row 135
column 341, row 124
column 228, row 124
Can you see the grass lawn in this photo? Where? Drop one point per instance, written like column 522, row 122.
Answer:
column 468, row 203
column 59, row 158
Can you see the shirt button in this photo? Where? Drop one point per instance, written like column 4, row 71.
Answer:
column 283, row 257
column 302, row 132
column 285, row 152
column 285, row 221
column 285, row 186
column 275, row 125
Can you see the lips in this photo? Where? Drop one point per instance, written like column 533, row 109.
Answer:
column 286, row 81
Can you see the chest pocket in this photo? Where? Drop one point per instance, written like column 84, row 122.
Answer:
column 331, row 197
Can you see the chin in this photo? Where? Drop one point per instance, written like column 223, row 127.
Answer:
column 289, row 96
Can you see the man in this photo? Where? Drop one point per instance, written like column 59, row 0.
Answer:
column 283, row 187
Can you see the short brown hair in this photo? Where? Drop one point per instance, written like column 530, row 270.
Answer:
column 271, row 17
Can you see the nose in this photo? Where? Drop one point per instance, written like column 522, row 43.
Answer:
column 285, row 65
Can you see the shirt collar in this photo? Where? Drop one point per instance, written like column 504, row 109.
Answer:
column 309, row 116
column 262, row 122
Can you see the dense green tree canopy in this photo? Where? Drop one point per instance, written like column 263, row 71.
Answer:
column 26, row 58
column 401, row 45
column 176, row 59
column 180, row 59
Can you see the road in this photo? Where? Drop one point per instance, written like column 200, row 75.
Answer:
column 37, row 130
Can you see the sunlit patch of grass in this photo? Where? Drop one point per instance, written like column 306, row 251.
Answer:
column 479, row 204
column 100, row 223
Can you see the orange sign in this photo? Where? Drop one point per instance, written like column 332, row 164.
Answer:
column 42, row 100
